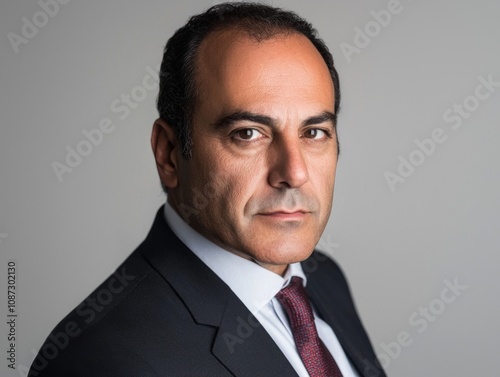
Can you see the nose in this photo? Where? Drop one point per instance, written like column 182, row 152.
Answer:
column 288, row 168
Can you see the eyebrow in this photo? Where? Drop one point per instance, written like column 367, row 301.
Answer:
column 238, row 116
column 325, row 116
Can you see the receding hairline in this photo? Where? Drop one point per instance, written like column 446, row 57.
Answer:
column 239, row 34
column 244, row 34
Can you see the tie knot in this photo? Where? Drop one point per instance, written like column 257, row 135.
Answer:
column 294, row 300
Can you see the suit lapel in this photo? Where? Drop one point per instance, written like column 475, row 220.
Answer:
column 241, row 343
column 245, row 347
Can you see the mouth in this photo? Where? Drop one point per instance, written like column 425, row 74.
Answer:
column 296, row 215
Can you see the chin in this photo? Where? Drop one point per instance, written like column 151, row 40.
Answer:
column 285, row 254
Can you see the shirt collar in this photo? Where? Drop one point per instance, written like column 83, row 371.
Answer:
column 254, row 285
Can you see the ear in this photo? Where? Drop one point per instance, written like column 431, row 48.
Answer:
column 166, row 151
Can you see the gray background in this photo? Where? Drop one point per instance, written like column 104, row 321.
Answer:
column 398, row 247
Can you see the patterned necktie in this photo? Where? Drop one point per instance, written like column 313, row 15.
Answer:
column 314, row 354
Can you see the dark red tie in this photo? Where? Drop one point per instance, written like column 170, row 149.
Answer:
column 314, row 354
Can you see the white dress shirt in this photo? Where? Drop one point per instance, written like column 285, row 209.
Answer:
column 258, row 297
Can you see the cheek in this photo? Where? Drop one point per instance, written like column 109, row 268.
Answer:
column 322, row 178
column 237, row 184
column 240, row 182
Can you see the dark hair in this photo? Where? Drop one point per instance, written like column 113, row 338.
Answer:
column 177, row 96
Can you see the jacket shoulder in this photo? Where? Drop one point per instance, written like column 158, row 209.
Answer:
column 73, row 341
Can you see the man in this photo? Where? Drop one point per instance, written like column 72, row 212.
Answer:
column 246, row 149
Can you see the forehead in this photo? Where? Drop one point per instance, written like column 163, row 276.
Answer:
column 232, row 67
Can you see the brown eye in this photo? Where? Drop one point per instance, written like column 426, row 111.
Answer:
column 247, row 134
column 314, row 133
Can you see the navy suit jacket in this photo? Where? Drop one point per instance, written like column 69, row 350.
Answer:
column 165, row 313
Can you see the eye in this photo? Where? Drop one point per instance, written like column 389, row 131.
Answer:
column 316, row 133
column 246, row 134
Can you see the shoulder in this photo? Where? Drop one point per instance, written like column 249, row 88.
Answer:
column 134, row 324
column 90, row 333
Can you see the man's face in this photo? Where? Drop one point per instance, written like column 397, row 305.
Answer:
column 264, row 155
